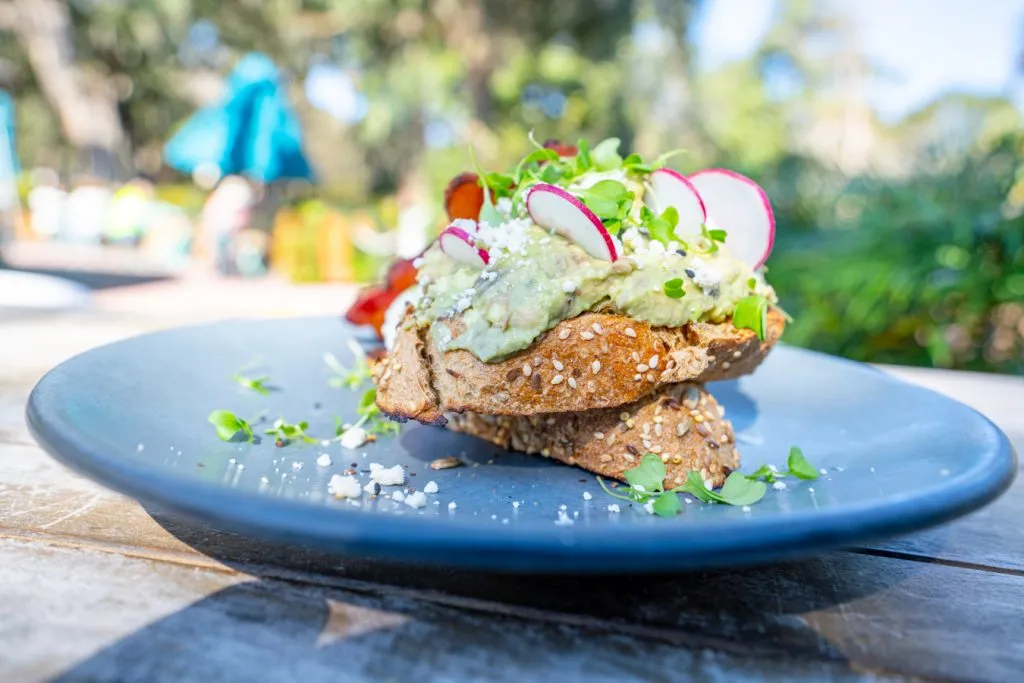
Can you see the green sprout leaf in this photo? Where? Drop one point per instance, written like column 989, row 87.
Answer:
column 533, row 157
column 583, row 160
column 649, row 474
column 663, row 158
column 751, row 313
column 488, row 212
column 674, row 288
column 229, row 425
column 764, row 472
column 285, row 432
column 798, row 465
column 346, row 378
column 667, row 505
column 606, row 154
column 741, row 490
column 256, row 384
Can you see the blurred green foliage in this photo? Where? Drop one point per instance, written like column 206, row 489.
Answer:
column 924, row 270
column 897, row 242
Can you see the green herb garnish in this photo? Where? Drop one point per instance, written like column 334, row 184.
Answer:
column 751, row 313
column 257, row 384
column 606, row 154
column 611, row 201
column 796, row 465
column 674, row 288
column 488, row 212
column 661, row 228
column 346, row 378
column 285, row 433
column 229, row 425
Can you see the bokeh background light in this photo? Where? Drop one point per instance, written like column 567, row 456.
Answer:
column 888, row 134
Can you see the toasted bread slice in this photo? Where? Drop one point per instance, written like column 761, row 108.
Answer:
column 593, row 361
column 612, row 440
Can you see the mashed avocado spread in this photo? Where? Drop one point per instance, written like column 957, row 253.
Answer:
column 535, row 278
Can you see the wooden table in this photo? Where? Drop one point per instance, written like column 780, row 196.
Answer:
column 95, row 588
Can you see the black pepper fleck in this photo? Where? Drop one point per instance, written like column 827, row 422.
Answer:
column 690, row 273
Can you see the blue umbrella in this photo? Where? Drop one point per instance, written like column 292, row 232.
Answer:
column 252, row 131
column 8, row 156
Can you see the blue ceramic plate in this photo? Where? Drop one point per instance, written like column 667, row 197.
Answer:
column 133, row 416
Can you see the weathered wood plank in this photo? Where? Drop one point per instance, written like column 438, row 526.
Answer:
column 106, row 618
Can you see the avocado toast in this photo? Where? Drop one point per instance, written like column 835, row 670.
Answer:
column 590, row 296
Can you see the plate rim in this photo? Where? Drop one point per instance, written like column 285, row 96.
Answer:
column 531, row 546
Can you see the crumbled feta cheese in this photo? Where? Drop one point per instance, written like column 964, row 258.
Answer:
column 708, row 484
column 823, row 470
column 431, row 487
column 614, row 507
column 504, row 206
column 452, row 505
column 773, row 468
column 353, row 438
column 373, row 488
column 296, row 466
column 779, row 486
column 639, row 487
column 704, row 275
column 416, row 499
column 649, row 507
column 564, row 519
column 515, row 504
column 343, row 487
column 586, row 495
column 398, row 496
column 745, row 508
column 324, row 460
column 387, row 476
column 568, row 286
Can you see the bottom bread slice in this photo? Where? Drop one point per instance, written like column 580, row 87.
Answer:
column 681, row 423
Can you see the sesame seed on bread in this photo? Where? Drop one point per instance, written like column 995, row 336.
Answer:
column 681, row 423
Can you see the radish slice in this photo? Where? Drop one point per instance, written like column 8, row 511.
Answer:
column 553, row 208
column 671, row 188
column 739, row 206
column 461, row 246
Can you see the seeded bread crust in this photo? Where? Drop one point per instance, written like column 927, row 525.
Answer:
column 681, row 423
column 593, row 361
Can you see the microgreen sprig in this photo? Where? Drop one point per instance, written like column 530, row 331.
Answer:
column 256, row 384
column 286, row 433
column 674, row 288
column 349, row 378
column 796, row 465
column 647, row 484
column 751, row 313
column 229, row 426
